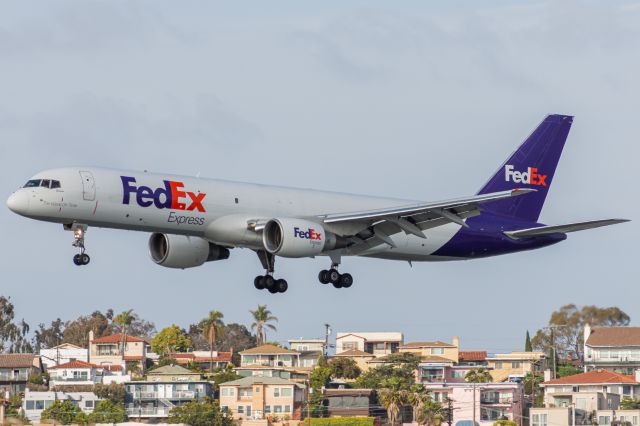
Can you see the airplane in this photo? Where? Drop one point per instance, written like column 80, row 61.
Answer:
column 194, row 220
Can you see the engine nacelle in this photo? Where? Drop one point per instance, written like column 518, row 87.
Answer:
column 290, row 237
column 180, row 251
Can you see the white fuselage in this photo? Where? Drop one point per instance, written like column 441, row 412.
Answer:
column 200, row 207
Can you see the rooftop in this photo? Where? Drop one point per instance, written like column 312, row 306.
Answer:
column 75, row 364
column 268, row 350
column 172, row 370
column 252, row 380
column 417, row 345
column 374, row 336
column 117, row 338
column 466, row 356
column 596, row 377
column 17, row 360
column 355, row 352
column 614, row 336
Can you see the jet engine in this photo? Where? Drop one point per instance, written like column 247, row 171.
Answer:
column 290, row 237
column 180, row 251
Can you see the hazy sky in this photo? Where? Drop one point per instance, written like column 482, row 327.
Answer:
column 422, row 100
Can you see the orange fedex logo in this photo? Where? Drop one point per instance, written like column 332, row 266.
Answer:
column 530, row 177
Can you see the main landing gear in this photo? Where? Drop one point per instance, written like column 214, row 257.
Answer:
column 334, row 277
column 267, row 281
column 78, row 241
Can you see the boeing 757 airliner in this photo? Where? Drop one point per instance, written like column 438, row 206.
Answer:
column 196, row 220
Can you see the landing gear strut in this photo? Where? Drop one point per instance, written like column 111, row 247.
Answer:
column 78, row 241
column 334, row 277
column 267, row 281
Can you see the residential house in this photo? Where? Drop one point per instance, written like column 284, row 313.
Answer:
column 63, row 354
column 15, row 371
column 205, row 359
column 34, row 403
column 612, row 348
column 588, row 398
column 377, row 344
column 514, row 366
column 272, row 361
column 483, row 402
column 310, row 350
column 477, row 359
column 429, row 349
column 352, row 403
column 262, row 397
column 80, row 373
column 108, row 350
column 437, row 360
column 163, row 389
column 361, row 358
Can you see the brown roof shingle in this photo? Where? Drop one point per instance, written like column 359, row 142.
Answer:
column 593, row 378
column 16, row 360
column 614, row 336
column 472, row 356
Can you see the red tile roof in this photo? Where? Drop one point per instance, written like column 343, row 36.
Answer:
column 596, row 377
column 16, row 360
column 117, row 338
column 614, row 336
column 133, row 358
column 74, row 364
column 472, row 356
column 112, row 367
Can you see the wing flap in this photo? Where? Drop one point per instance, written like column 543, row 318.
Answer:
column 563, row 229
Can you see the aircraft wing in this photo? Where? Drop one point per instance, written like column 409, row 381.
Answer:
column 375, row 226
column 555, row 229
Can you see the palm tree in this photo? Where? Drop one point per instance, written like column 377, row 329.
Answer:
column 417, row 397
column 262, row 317
column 431, row 413
column 211, row 327
column 124, row 320
column 478, row 375
column 392, row 400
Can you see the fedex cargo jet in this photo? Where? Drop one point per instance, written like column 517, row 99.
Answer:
column 195, row 220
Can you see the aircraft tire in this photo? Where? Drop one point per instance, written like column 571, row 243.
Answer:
column 76, row 260
column 334, row 276
column 281, row 285
column 85, row 259
column 323, row 277
column 258, row 282
column 346, row 280
column 269, row 282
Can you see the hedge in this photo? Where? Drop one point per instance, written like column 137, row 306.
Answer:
column 341, row 421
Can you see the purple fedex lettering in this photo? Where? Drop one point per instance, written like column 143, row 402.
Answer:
column 145, row 196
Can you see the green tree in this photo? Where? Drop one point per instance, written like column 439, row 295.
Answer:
column 262, row 319
column 565, row 370
column 398, row 371
column 565, row 332
column 77, row 331
column 431, row 414
column 212, row 327
column 478, row 375
column 170, row 340
column 629, row 403
column 393, row 400
column 108, row 412
column 124, row 320
column 505, row 423
column 527, row 343
column 13, row 336
column 113, row 392
column 223, row 375
column 344, row 368
column 63, row 412
column 199, row 413
column 48, row 337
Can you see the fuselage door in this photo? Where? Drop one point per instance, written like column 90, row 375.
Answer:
column 88, row 185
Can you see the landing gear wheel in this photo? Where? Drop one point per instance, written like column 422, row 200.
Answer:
column 346, row 280
column 258, row 282
column 272, row 290
column 77, row 260
column 323, row 277
column 334, row 276
column 337, row 285
column 85, row 259
column 269, row 282
column 281, row 285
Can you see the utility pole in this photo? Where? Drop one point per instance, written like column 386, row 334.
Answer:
column 474, row 405
column 327, row 332
column 450, row 411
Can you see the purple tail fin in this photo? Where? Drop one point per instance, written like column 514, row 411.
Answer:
column 532, row 165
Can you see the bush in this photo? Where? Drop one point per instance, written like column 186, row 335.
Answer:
column 107, row 412
column 63, row 412
column 504, row 423
column 113, row 392
column 340, row 421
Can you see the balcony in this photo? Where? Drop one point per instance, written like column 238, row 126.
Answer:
column 148, row 411
column 492, row 400
column 175, row 395
column 12, row 377
column 433, row 379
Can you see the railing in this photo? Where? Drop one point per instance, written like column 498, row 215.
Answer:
column 492, row 400
column 73, row 379
column 171, row 395
column 20, row 377
column 148, row 411
column 432, row 378
column 107, row 353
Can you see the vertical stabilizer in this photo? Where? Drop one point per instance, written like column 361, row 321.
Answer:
column 532, row 165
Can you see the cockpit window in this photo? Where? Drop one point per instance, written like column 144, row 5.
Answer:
column 32, row 183
column 55, row 184
column 45, row 183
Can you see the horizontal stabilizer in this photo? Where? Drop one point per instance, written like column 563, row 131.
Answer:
column 562, row 229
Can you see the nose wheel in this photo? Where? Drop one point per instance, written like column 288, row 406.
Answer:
column 81, row 258
column 266, row 281
column 336, row 278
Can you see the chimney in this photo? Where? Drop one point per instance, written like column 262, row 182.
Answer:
column 90, row 336
column 456, row 342
column 587, row 332
column 547, row 375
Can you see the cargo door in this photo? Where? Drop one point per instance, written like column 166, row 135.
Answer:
column 88, row 185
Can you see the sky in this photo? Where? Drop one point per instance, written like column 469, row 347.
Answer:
column 417, row 100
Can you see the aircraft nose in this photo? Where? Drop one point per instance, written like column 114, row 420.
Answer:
column 18, row 202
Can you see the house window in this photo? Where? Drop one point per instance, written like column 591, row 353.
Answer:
column 246, row 392
column 498, row 365
column 30, row 405
column 287, row 408
column 257, row 390
column 285, row 392
column 267, row 409
column 539, row 420
column 516, row 364
column 604, row 420
column 224, row 408
column 458, row 374
column 240, row 409
column 88, row 404
column 277, row 408
column 347, row 346
column 226, row 392
column 437, row 351
column 39, row 405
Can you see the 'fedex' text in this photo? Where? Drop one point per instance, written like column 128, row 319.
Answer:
column 530, row 177
column 170, row 197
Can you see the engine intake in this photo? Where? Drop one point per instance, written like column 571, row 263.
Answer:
column 180, row 251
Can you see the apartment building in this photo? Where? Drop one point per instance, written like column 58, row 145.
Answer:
column 63, row 354
column 163, row 389
column 586, row 399
column 34, row 403
column 205, row 359
column 514, row 366
column 15, row 371
column 483, row 402
column 612, row 348
column 80, row 373
column 108, row 350
column 269, row 356
column 439, row 349
column 262, row 397
column 310, row 350
column 377, row 344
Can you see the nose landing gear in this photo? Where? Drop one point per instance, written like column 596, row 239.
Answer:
column 78, row 241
